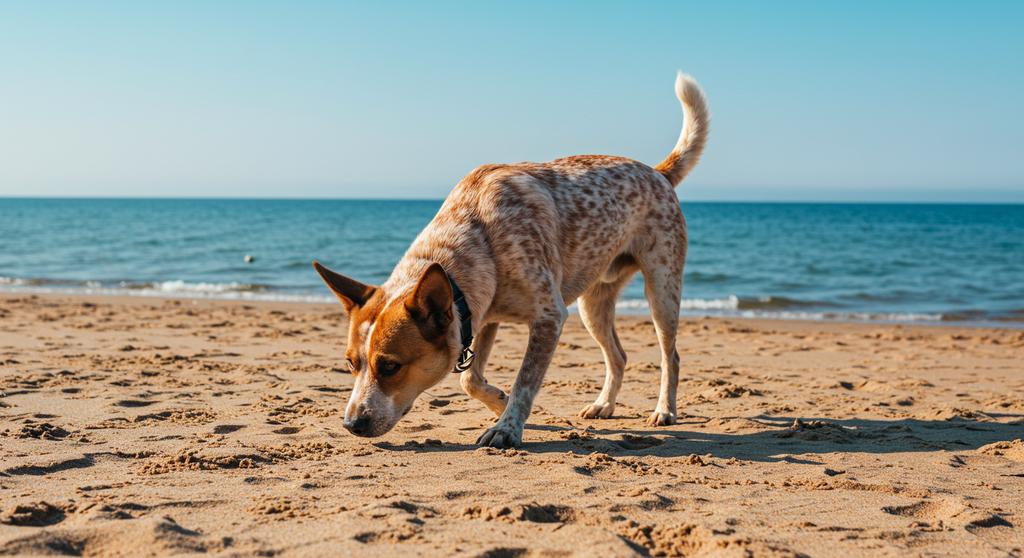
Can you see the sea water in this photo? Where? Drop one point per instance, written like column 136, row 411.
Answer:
column 885, row 262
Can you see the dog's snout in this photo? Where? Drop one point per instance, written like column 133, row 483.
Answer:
column 360, row 426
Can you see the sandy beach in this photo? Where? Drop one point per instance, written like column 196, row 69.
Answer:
column 146, row 426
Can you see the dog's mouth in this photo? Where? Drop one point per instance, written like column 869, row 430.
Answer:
column 380, row 428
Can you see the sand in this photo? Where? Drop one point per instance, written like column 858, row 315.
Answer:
column 135, row 426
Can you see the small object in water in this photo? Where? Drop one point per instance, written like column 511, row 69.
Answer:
column 249, row 258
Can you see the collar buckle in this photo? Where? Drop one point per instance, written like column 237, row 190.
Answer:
column 465, row 360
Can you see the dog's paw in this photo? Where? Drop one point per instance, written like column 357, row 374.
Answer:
column 500, row 436
column 658, row 418
column 597, row 410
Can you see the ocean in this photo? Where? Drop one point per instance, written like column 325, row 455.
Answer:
column 855, row 262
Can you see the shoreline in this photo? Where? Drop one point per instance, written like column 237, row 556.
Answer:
column 628, row 311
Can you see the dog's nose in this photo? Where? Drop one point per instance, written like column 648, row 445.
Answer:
column 360, row 426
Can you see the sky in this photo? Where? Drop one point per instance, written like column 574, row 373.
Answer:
column 821, row 100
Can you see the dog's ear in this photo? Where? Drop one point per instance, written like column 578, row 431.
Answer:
column 430, row 303
column 350, row 292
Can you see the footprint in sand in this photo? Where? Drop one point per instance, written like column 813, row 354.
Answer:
column 633, row 442
column 35, row 514
column 133, row 403
column 533, row 513
column 949, row 511
column 41, row 431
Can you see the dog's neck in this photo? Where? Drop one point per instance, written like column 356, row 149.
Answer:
column 459, row 255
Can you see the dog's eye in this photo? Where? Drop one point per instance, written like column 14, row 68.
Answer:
column 387, row 368
column 353, row 366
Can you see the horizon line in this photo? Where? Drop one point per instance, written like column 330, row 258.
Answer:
column 415, row 199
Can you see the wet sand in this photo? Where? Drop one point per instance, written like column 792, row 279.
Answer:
column 133, row 426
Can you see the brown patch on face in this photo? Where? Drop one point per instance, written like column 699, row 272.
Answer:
column 399, row 338
column 413, row 333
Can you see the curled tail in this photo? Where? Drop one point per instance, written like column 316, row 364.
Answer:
column 696, row 120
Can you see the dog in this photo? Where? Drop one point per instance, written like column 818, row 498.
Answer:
column 519, row 243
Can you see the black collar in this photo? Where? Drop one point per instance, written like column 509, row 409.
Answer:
column 465, row 327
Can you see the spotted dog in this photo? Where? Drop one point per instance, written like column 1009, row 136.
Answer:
column 518, row 243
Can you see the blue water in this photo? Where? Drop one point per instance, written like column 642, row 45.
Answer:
column 895, row 262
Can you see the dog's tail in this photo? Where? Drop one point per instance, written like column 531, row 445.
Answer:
column 696, row 120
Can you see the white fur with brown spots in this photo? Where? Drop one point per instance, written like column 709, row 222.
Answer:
column 523, row 241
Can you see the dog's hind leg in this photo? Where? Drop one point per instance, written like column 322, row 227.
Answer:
column 597, row 310
column 663, row 288
column 473, row 381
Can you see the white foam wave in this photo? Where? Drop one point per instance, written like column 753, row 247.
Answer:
column 14, row 281
column 211, row 288
column 722, row 307
column 164, row 289
column 729, row 307
column 843, row 316
column 728, row 303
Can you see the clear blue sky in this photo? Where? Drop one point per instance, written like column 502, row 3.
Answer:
column 813, row 100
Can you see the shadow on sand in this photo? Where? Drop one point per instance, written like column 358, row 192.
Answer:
column 780, row 438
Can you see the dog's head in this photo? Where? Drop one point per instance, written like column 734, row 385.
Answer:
column 399, row 344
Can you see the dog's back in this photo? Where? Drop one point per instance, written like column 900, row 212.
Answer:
column 574, row 215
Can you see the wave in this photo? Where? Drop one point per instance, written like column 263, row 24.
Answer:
column 847, row 316
column 732, row 302
column 210, row 288
column 729, row 303
column 169, row 289
column 967, row 316
column 779, row 302
column 767, row 307
column 707, row 277
column 35, row 281
column 782, row 308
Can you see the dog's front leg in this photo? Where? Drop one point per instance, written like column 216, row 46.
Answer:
column 473, row 381
column 544, row 333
